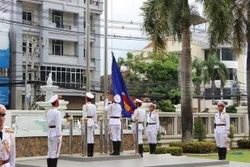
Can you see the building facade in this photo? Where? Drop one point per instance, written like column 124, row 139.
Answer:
column 52, row 33
column 236, row 65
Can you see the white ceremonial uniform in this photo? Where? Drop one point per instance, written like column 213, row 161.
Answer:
column 54, row 118
column 89, row 111
column 141, row 115
column 222, row 121
column 153, row 127
column 8, row 148
column 115, row 110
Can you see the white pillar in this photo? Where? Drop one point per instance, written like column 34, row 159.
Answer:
column 175, row 125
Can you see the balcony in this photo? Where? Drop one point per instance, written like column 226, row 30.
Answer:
column 64, row 26
column 92, row 63
column 63, row 59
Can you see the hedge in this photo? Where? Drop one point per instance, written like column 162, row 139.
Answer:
column 244, row 143
column 196, row 147
column 175, row 151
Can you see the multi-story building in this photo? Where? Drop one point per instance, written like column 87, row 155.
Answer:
column 55, row 30
column 200, row 48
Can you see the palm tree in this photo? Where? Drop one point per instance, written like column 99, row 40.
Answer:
column 230, row 23
column 214, row 69
column 197, row 66
column 162, row 18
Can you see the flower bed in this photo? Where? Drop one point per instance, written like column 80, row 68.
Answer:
column 196, row 147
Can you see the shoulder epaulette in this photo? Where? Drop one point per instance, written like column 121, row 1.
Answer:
column 9, row 131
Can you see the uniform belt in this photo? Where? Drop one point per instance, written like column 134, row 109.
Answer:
column 89, row 117
column 139, row 122
column 115, row 117
column 3, row 162
column 151, row 123
column 220, row 124
column 52, row 126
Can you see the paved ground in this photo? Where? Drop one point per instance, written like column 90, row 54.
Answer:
column 147, row 161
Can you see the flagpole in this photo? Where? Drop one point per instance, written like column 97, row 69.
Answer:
column 106, row 75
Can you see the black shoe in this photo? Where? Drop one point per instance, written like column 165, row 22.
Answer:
column 140, row 146
column 89, row 150
column 118, row 146
column 114, row 148
column 153, row 148
column 224, row 153
column 150, row 148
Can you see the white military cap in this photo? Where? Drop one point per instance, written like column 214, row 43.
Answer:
column 138, row 101
column 89, row 95
column 117, row 98
column 53, row 99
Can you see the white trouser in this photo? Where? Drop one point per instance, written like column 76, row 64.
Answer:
column 152, row 134
column 221, row 139
column 90, row 136
column 54, row 147
column 115, row 131
column 139, row 136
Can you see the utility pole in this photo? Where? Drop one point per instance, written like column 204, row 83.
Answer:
column 87, row 49
column 106, row 76
column 27, row 93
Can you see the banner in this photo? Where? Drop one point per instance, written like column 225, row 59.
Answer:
column 120, row 88
column 4, row 90
column 4, row 42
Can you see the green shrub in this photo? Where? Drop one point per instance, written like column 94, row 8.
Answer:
column 175, row 151
column 244, row 143
column 145, row 148
column 196, row 147
column 199, row 129
column 232, row 108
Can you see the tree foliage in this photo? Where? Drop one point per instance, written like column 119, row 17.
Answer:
column 199, row 129
column 158, row 78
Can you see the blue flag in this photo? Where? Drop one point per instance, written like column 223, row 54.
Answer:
column 120, row 88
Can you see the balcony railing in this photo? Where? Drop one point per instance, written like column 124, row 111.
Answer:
column 67, row 55
column 64, row 26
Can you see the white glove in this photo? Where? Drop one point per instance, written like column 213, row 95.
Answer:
column 106, row 101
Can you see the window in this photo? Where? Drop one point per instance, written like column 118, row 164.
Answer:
column 57, row 47
column 232, row 74
column 27, row 16
column 228, row 55
column 207, row 53
column 24, row 47
column 57, row 17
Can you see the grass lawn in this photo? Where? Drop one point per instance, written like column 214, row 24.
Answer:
column 239, row 155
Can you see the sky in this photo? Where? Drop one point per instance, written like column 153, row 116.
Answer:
column 125, row 11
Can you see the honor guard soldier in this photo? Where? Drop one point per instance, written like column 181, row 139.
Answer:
column 7, row 144
column 221, row 131
column 115, row 110
column 141, row 115
column 89, row 111
column 54, row 121
column 152, row 128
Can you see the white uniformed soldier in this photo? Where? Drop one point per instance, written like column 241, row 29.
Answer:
column 222, row 126
column 141, row 115
column 152, row 128
column 7, row 144
column 54, row 121
column 89, row 111
column 115, row 110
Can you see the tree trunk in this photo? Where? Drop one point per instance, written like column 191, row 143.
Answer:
column 199, row 99
column 248, row 81
column 212, row 89
column 186, row 88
